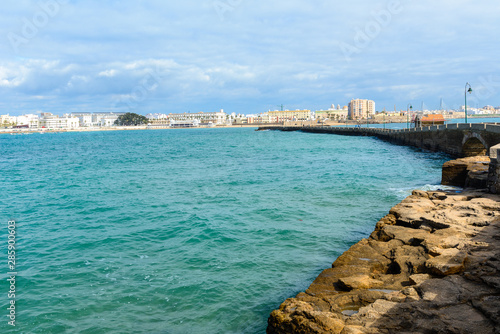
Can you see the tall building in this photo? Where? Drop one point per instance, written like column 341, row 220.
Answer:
column 359, row 108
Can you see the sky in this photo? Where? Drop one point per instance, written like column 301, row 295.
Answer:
column 152, row 56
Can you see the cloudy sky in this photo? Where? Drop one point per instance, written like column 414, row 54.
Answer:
column 245, row 56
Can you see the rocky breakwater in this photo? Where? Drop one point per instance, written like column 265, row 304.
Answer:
column 432, row 265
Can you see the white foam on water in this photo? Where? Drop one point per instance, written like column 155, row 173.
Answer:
column 402, row 193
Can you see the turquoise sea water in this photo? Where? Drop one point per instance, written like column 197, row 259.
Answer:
column 186, row 231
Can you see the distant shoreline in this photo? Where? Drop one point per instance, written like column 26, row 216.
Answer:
column 118, row 128
column 253, row 125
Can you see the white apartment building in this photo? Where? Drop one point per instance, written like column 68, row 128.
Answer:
column 50, row 121
column 359, row 108
column 157, row 116
column 7, row 120
column 333, row 113
column 88, row 119
column 84, row 117
column 105, row 118
column 193, row 123
column 203, row 117
column 31, row 120
column 290, row 115
column 108, row 120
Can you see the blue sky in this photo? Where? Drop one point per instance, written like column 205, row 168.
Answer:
column 245, row 56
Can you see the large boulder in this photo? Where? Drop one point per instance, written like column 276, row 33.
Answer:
column 471, row 172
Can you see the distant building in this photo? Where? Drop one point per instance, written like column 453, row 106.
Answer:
column 188, row 119
column 289, row 115
column 30, row 120
column 105, row 119
column 159, row 120
column 108, row 120
column 193, row 123
column 85, row 118
column 239, row 119
column 25, row 121
column 50, row 121
column 265, row 118
column 6, row 120
column 333, row 113
column 218, row 117
column 359, row 109
column 156, row 116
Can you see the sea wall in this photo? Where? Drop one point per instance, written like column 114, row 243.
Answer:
column 432, row 265
column 457, row 140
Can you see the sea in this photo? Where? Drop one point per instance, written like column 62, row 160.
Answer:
column 188, row 230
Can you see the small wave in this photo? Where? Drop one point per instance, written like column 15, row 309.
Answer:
column 402, row 193
column 434, row 187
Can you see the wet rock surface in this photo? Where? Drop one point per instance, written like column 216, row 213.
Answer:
column 432, row 265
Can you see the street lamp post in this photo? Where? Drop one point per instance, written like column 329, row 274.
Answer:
column 467, row 91
column 410, row 107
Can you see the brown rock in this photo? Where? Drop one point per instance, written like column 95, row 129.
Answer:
column 419, row 278
column 353, row 330
column 462, row 318
column 420, row 193
column 411, row 260
column 428, row 235
column 477, row 176
column 406, row 235
column 439, row 292
column 374, row 311
column 490, row 306
column 359, row 282
column 411, row 294
column 451, row 261
column 300, row 317
column 437, row 195
column 409, row 212
column 455, row 172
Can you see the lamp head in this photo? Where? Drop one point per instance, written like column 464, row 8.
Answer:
column 469, row 90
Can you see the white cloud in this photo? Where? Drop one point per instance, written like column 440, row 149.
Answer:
column 307, row 76
column 260, row 52
column 108, row 73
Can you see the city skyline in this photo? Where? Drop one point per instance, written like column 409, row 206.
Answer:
column 245, row 57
